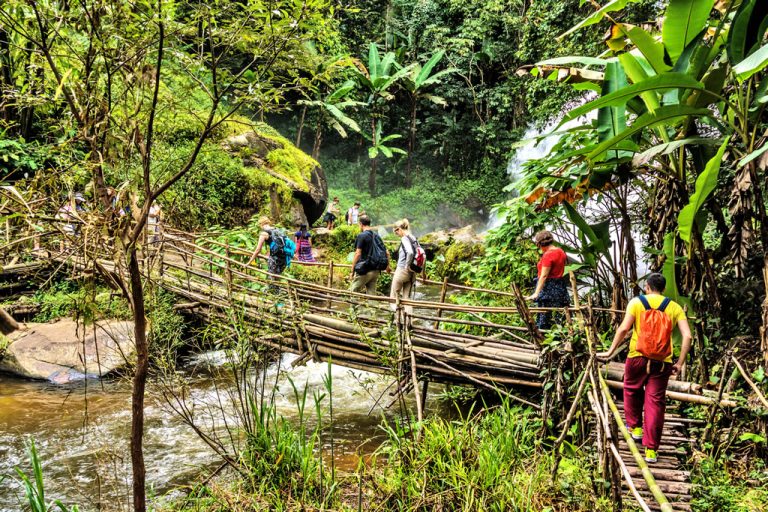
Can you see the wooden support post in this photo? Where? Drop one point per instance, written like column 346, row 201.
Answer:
column 424, row 388
column 709, row 433
column 522, row 308
column 443, row 291
column 228, row 273
column 330, row 281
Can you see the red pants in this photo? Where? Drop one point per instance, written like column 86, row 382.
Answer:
column 644, row 389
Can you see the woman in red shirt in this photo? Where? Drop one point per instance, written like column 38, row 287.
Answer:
column 551, row 286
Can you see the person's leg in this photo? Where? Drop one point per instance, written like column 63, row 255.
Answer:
column 543, row 320
column 408, row 284
column 358, row 283
column 655, row 404
column 634, row 395
column 398, row 281
column 370, row 285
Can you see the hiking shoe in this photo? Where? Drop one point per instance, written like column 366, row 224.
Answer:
column 650, row 455
column 636, row 433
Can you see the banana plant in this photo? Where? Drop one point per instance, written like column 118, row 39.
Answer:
column 417, row 83
column 378, row 145
column 332, row 109
column 378, row 79
column 699, row 83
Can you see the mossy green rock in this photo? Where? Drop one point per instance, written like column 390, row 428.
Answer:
column 448, row 248
column 295, row 182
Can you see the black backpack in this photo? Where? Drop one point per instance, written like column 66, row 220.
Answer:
column 378, row 259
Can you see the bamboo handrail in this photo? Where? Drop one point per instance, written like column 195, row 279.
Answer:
column 639, row 459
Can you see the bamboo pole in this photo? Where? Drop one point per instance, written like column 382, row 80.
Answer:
column 628, row 478
column 479, row 382
column 754, row 387
column 443, row 290
column 647, row 475
column 682, row 397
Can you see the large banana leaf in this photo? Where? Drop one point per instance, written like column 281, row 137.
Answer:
column 683, row 21
column 705, row 184
column 667, row 148
column 597, row 236
column 620, row 96
column 597, row 16
column 612, row 118
column 651, row 49
column 747, row 29
column 649, row 120
column 752, row 64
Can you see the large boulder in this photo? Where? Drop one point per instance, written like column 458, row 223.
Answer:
column 65, row 351
column 287, row 166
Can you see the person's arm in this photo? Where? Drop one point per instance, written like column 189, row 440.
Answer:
column 540, row 283
column 355, row 259
column 685, row 332
column 619, row 338
column 409, row 252
column 256, row 251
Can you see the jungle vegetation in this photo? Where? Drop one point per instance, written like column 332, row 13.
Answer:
column 418, row 105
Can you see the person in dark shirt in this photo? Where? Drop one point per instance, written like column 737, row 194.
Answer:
column 364, row 282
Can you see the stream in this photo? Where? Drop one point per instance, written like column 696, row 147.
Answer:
column 82, row 430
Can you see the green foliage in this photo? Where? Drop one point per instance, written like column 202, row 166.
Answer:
column 431, row 203
column 34, row 489
column 728, row 486
column 87, row 302
column 19, row 159
column 488, row 462
column 166, row 329
column 339, row 242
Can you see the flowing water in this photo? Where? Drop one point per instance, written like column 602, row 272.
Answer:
column 82, row 430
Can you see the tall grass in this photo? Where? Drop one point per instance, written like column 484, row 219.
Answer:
column 34, row 489
column 485, row 461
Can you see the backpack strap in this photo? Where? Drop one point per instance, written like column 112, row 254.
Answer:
column 664, row 304
column 644, row 301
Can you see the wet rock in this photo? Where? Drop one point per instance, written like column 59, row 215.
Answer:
column 65, row 351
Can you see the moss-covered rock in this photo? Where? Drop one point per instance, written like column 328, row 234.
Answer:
column 296, row 185
column 448, row 248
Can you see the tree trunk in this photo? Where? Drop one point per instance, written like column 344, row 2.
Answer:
column 301, row 127
column 411, row 144
column 374, row 161
column 318, row 140
column 139, row 382
column 7, row 322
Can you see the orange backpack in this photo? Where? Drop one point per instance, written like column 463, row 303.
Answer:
column 654, row 340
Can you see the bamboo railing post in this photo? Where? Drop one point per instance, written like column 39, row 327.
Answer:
column 443, row 291
column 709, row 433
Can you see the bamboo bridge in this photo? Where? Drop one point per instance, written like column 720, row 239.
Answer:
column 456, row 338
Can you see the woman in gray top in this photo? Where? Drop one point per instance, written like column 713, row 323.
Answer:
column 404, row 277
